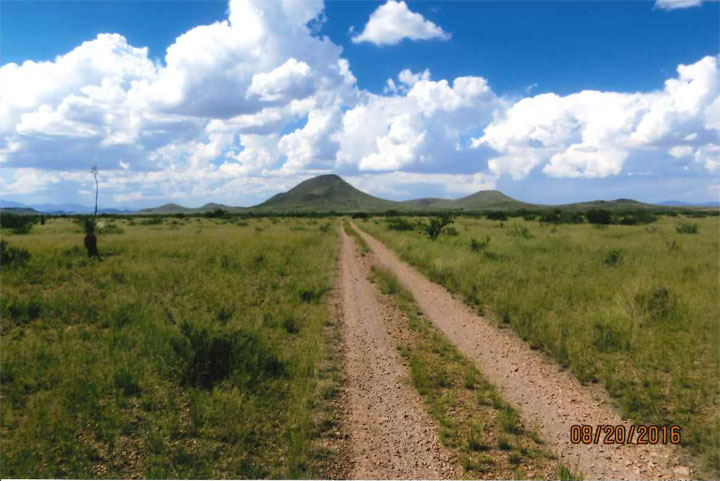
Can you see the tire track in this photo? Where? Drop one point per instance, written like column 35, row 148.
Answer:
column 391, row 435
column 548, row 398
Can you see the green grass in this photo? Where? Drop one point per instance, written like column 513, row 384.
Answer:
column 633, row 307
column 195, row 348
column 483, row 431
column 364, row 249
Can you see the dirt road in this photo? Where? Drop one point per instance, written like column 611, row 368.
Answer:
column 547, row 397
column 391, row 435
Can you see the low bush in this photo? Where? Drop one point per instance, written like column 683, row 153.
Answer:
column 435, row 226
column 399, row 224
column 476, row 245
column 558, row 216
column 110, row 229
column 211, row 356
column 12, row 256
column 8, row 220
column 499, row 215
column 599, row 216
column 517, row 230
column 614, row 257
column 686, row 228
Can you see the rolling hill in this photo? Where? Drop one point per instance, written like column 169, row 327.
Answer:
column 482, row 200
column 326, row 193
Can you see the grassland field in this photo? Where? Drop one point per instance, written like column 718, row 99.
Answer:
column 201, row 347
column 195, row 348
column 635, row 308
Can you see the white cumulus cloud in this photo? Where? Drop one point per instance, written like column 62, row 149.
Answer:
column 675, row 4
column 592, row 133
column 393, row 22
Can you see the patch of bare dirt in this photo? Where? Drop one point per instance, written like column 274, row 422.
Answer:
column 547, row 397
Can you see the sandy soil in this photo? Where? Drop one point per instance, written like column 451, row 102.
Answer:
column 390, row 435
column 548, row 398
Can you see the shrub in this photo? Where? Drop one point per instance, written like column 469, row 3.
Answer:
column 360, row 215
column 614, row 257
column 400, row 224
column 313, row 295
column 325, row 227
column 23, row 229
column 607, row 337
column 9, row 220
column 216, row 214
column 550, row 217
column 517, row 230
column 476, row 245
column 126, row 382
column 208, row 357
column 497, row 215
column 290, row 325
column 599, row 216
column 12, row 256
column 657, row 303
column 451, row 231
column 110, row 229
column 436, row 225
column 151, row 221
column 687, row 228
column 562, row 217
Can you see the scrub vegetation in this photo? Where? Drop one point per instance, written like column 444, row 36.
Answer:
column 192, row 348
column 632, row 305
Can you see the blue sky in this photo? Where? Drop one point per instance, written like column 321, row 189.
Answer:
column 233, row 117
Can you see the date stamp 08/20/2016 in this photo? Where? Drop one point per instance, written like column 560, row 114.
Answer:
column 621, row 434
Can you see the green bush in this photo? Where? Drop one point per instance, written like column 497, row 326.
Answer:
column 400, row 224
column 614, row 257
column 517, row 230
column 599, row 216
column 12, row 256
column 435, row 226
column 8, row 220
column 476, row 245
column 110, row 229
column 499, row 215
column 211, row 356
column 687, row 228
column 216, row 214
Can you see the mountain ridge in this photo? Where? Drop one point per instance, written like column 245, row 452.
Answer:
column 331, row 193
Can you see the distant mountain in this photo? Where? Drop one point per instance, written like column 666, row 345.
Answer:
column 326, row 193
column 63, row 208
column 617, row 204
column 8, row 204
column 209, row 207
column 482, row 200
column 422, row 203
column 330, row 193
column 677, row 203
column 167, row 209
column 21, row 210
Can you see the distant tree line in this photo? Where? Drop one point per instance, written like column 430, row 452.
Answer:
column 550, row 216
